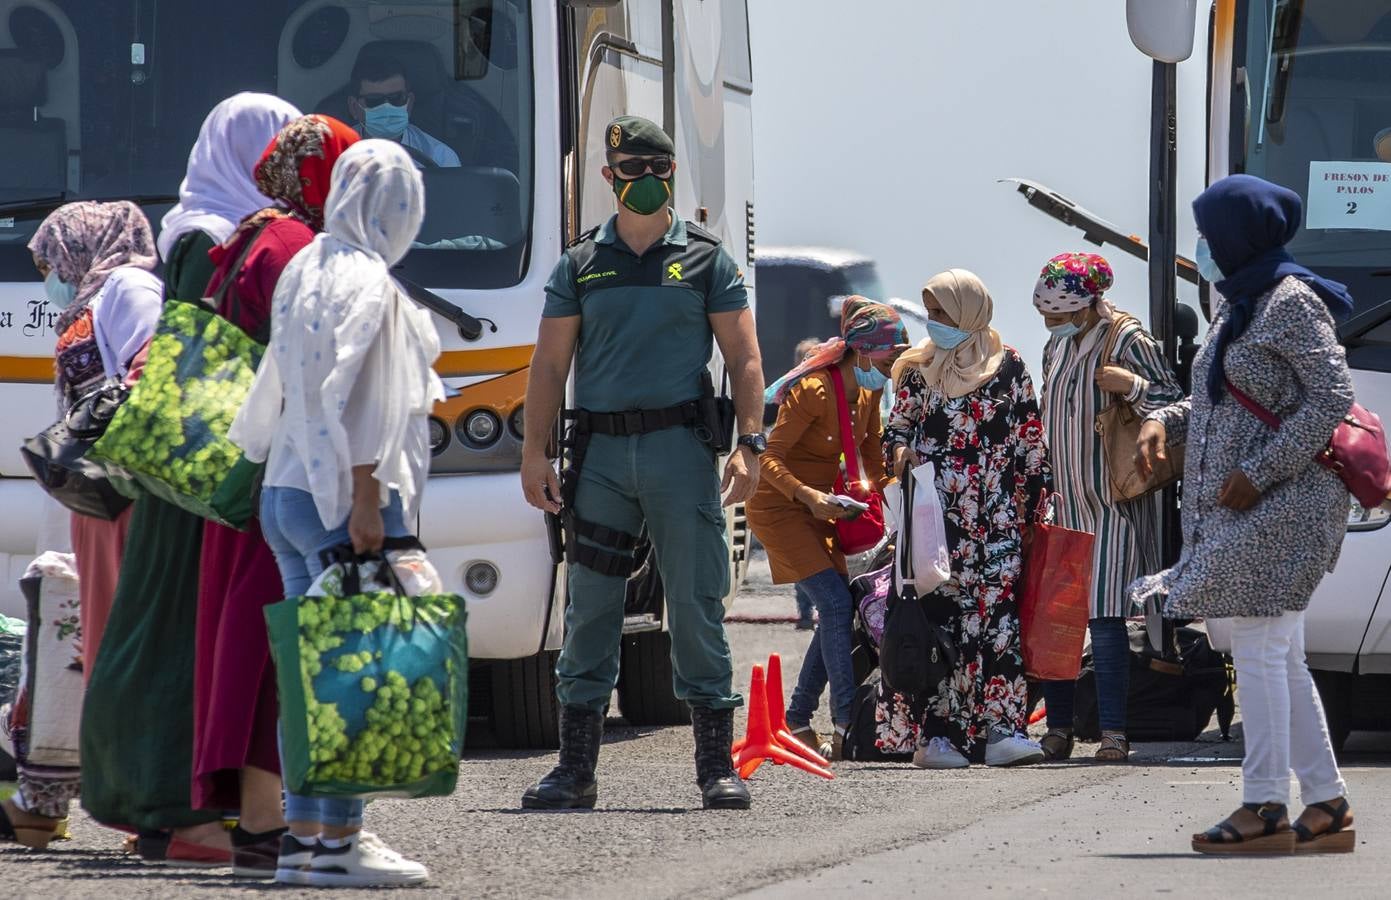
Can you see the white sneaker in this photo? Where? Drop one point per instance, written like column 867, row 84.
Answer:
column 292, row 867
column 939, row 754
column 1012, row 750
column 365, row 861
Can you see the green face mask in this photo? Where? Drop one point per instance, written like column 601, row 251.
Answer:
column 645, row 195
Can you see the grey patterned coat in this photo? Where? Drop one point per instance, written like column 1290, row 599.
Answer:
column 1269, row 558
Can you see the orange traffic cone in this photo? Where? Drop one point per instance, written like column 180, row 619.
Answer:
column 760, row 743
column 777, row 716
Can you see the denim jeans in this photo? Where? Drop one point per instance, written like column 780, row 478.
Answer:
column 295, row 534
column 828, row 656
column 1111, row 661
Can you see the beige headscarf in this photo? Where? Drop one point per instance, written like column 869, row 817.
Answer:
column 974, row 361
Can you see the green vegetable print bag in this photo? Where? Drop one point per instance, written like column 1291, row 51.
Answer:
column 373, row 686
column 170, row 436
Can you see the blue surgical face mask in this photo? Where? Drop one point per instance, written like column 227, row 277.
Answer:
column 871, row 379
column 945, row 336
column 386, row 121
column 1065, row 330
column 59, row 292
column 1202, row 257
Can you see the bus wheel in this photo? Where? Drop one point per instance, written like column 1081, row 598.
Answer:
column 644, row 684
column 525, row 714
column 1335, row 691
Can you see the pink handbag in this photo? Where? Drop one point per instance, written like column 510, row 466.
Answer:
column 1356, row 453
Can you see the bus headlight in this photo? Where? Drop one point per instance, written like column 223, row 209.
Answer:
column 481, row 578
column 515, row 422
column 480, row 429
column 1362, row 519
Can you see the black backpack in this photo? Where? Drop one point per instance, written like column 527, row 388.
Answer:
column 918, row 649
column 860, row 738
column 1173, row 695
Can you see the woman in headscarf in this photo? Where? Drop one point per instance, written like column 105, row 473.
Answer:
column 966, row 404
column 95, row 259
column 794, row 511
column 339, row 411
column 1077, row 385
column 137, row 725
column 236, row 764
column 1256, row 501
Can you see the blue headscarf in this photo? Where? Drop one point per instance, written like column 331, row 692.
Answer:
column 1247, row 222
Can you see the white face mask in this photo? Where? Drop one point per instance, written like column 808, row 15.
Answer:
column 60, row 293
column 1207, row 267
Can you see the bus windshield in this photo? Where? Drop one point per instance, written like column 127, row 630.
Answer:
column 104, row 101
column 1320, row 123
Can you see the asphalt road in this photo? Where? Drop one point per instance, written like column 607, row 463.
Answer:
column 883, row 830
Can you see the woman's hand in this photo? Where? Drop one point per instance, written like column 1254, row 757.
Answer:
column 904, row 459
column 1150, row 447
column 365, row 527
column 1238, row 493
column 1115, row 380
column 821, row 504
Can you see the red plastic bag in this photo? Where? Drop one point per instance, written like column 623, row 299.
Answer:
column 1055, row 602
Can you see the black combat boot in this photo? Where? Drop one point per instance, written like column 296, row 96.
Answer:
column 571, row 784
column 720, row 786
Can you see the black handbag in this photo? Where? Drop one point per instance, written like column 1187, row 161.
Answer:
column 57, row 455
column 918, row 651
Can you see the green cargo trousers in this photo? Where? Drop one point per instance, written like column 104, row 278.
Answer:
column 667, row 479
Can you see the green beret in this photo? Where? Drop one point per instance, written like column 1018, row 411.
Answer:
column 638, row 136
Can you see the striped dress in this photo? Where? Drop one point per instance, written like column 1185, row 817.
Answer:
column 1127, row 534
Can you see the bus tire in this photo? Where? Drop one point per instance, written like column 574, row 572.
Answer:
column 1335, row 692
column 645, row 693
column 525, row 713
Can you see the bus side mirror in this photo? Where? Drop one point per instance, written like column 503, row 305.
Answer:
column 1162, row 29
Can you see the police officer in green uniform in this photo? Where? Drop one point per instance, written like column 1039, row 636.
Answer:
column 643, row 298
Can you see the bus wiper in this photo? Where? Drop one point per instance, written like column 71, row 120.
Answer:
column 1093, row 227
column 470, row 328
column 48, row 204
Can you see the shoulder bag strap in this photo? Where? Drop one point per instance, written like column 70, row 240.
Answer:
column 216, row 299
column 1113, row 337
column 903, row 550
column 1260, row 412
column 847, row 429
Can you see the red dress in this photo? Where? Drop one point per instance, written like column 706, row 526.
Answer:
column 234, row 681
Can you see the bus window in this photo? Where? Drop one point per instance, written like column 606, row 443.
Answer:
column 111, row 96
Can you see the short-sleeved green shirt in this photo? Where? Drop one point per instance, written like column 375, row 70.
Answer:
column 645, row 334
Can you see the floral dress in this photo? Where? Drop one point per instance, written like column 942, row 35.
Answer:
column 992, row 475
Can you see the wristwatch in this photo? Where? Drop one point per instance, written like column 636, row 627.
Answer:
column 758, row 443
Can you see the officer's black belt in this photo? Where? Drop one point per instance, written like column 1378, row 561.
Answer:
column 635, row 421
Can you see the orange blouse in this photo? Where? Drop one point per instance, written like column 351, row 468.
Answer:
column 804, row 448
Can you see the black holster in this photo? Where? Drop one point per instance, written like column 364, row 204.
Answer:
column 717, row 420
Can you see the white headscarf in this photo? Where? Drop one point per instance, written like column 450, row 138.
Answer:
column 341, row 330
column 218, row 191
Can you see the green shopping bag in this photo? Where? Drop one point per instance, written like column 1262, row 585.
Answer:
column 373, row 684
column 170, row 435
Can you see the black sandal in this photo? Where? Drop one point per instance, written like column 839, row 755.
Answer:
column 1336, row 838
column 1057, row 744
column 1225, row 838
column 1114, row 748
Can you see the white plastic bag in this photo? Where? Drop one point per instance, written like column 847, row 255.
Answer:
column 53, row 686
column 931, row 557
column 417, row 574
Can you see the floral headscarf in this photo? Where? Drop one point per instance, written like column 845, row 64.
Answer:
column 866, row 327
column 297, row 167
column 1074, row 281
column 85, row 242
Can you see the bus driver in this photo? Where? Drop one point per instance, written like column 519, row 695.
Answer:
column 382, row 105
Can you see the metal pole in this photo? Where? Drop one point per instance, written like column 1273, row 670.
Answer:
column 1163, row 241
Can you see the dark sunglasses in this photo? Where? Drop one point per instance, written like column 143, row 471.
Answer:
column 641, row 165
column 372, row 101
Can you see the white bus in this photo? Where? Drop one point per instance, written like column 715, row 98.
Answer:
column 103, row 101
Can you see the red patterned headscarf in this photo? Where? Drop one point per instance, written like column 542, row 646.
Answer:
column 295, row 170
column 872, row 329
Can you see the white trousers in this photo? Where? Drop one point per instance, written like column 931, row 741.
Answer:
column 1281, row 714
